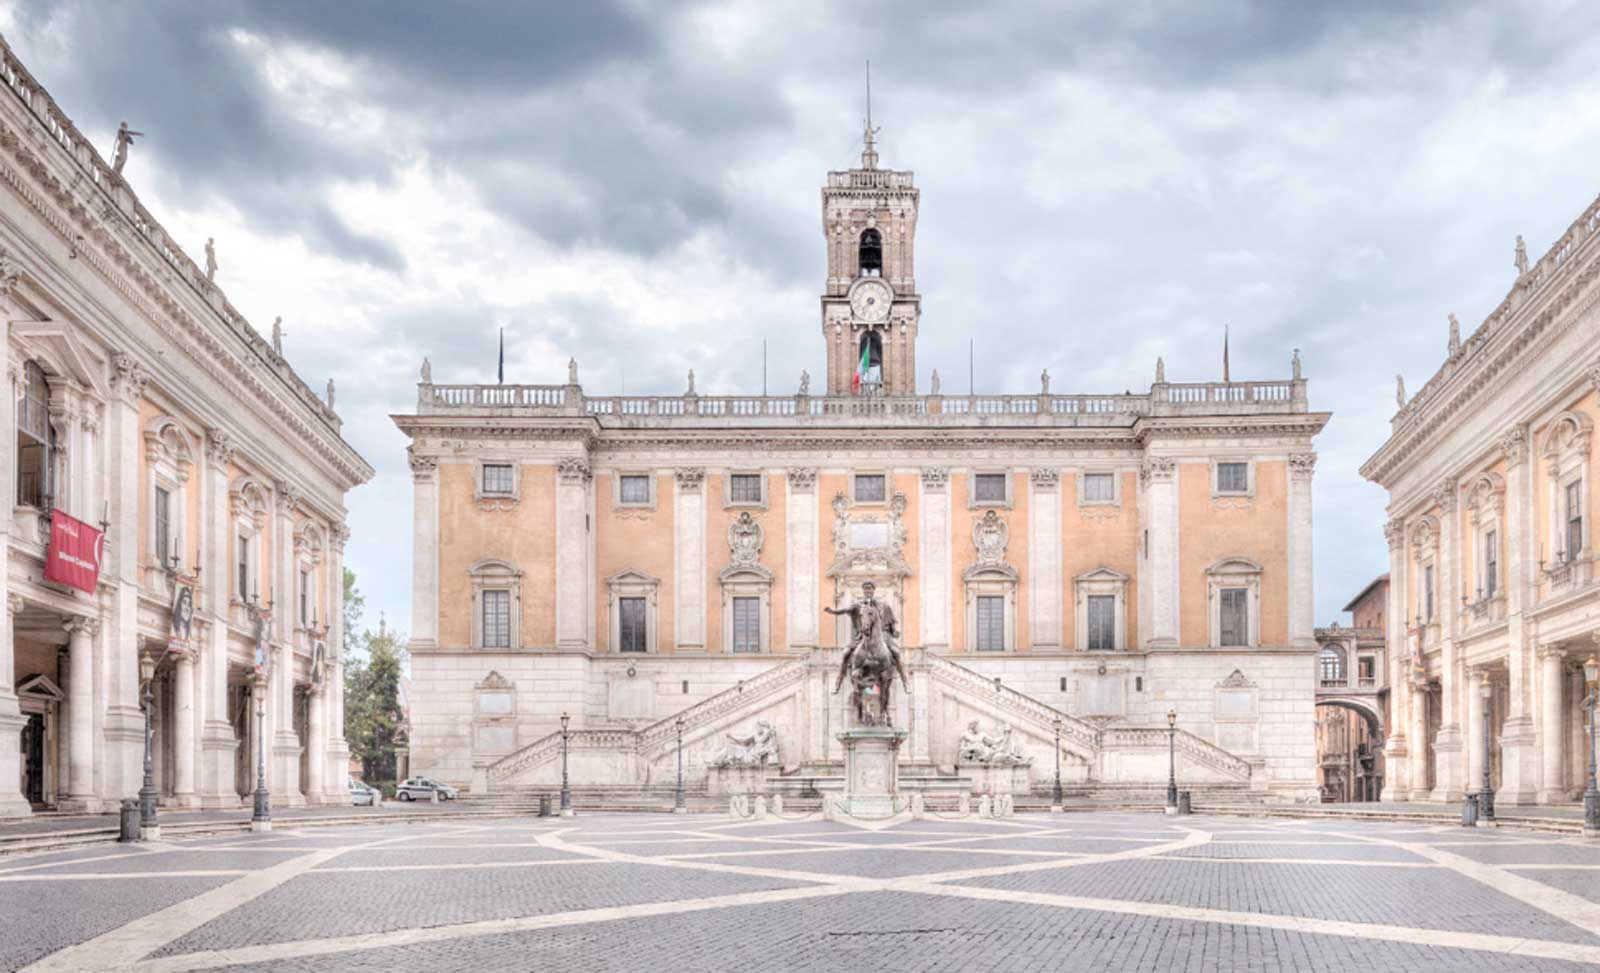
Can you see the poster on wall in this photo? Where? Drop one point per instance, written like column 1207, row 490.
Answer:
column 182, row 613
column 73, row 558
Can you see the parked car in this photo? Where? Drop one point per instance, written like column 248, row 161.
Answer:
column 364, row 795
column 423, row 788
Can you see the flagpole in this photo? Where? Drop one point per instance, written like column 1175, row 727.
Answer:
column 971, row 390
column 763, row 368
column 1225, row 378
column 500, row 375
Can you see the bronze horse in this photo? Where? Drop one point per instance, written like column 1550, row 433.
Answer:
column 872, row 671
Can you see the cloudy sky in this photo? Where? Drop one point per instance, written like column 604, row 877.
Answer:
column 637, row 185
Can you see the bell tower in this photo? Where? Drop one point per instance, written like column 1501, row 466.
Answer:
column 870, row 305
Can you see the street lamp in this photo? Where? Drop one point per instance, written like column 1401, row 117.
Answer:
column 678, row 807
column 149, row 826
column 1591, row 796
column 1055, row 794
column 261, row 815
column 1486, row 792
column 566, row 792
column 1172, row 761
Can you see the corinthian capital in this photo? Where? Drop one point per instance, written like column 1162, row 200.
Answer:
column 1514, row 446
column 128, row 377
column 422, row 467
column 1445, row 495
column 1157, row 469
column 802, row 478
column 1395, row 533
column 1302, row 465
column 219, row 445
column 690, row 478
column 1045, row 478
column 574, row 470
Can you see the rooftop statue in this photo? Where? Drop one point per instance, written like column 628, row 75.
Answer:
column 277, row 336
column 211, row 258
column 1400, row 391
column 1521, row 258
column 427, row 371
column 125, row 137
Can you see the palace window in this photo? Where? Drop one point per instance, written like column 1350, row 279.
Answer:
column 163, row 519
column 496, row 619
column 497, row 478
column 1099, row 488
column 497, row 604
column 1102, row 622
column 631, row 607
column 1427, row 593
column 305, row 597
column 871, row 487
column 870, row 253
column 631, row 625
column 242, row 549
column 747, row 624
column 1234, row 616
column 1367, row 671
column 1574, row 538
column 989, row 487
column 635, row 488
column 1330, row 666
column 36, row 440
column 744, row 488
column 1491, row 563
column 1233, row 477
column 991, row 624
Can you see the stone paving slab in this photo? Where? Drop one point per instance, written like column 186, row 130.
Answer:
column 408, row 855
column 1420, row 898
column 322, row 904
column 40, row 917
column 1562, row 853
column 882, row 862
column 1329, row 852
column 179, row 860
column 1584, row 883
column 909, row 933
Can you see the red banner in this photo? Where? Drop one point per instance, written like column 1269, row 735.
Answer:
column 74, row 555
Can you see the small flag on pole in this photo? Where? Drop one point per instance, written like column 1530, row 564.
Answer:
column 1225, row 378
column 871, row 357
column 501, row 376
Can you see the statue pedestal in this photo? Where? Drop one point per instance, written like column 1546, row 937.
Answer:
column 871, row 777
column 727, row 781
column 994, row 781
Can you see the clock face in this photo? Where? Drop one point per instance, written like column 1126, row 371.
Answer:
column 870, row 300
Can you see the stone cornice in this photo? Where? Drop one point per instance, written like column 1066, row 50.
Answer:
column 88, row 219
column 1524, row 331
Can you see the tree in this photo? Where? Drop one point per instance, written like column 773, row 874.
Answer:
column 374, row 714
column 354, row 602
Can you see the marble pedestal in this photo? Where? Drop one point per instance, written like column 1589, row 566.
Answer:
column 871, row 774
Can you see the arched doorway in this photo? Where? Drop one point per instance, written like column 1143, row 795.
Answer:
column 1349, row 736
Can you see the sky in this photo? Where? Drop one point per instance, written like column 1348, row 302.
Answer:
column 636, row 185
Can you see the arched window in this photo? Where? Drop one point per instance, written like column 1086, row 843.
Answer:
column 1330, row 664
column 36, row 441
column 868, row 378
column 871, row 253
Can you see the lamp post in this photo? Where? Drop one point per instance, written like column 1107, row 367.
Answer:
column 149, row 825
column 566, row 792
column 261, row 815
column 1055, row 793
column 1591, row 796
column 1172, row 761
column 678, row 807
column 1486, row 792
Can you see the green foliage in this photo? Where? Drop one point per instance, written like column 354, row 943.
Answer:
column 354, row 602
column 374, row 717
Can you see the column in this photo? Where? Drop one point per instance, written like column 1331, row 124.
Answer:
column 1044, row 559
column 217, row 778
column 425, row 549
column 12, row 803
column 689, row 558
column 315, row 762
column 1397, row 750
column 573, row 567
column 801, row 573
column 1473, row 743
column 80, row 715
column 1159, row 475
column 184, row 742
column 1518, row 740
column 1421, row 743
column 338, row 749
column 1450, row 771
column 1552, row 739
column 934, row 546
column 1302, row 606
column 123, row 753
column 286, row 741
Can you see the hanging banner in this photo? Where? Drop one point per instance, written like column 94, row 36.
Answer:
column 182, row 613
column 263, row 650
column 73, row 558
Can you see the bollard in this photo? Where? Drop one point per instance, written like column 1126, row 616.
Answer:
column 130, row 820
column 1469, row 810
column 1183, row 803
column 544, row 805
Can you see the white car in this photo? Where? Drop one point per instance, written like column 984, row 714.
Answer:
column 423, row 789
column 363, row 795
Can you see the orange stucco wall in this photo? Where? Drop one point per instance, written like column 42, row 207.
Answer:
column 522, row 535
column 1095, row 537
column 1208, row 532
column 639, row 540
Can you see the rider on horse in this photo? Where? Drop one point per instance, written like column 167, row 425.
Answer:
column 891, row 632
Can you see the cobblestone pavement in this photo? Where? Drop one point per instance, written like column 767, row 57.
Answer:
column 1091, row 891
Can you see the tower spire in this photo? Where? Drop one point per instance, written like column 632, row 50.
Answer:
column 869, row 152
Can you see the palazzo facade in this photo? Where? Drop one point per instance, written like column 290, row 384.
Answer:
column 143, row 405
column 1494, row 599
column 634, row 561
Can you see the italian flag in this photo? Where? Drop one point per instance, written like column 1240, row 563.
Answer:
column 871, row 357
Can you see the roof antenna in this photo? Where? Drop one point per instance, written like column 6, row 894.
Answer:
column 869, row 155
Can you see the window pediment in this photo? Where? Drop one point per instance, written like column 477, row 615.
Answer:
column 489, row 567
column 990, row 572
column 1102, row 575
column 1570, row 434
column 1234, row 566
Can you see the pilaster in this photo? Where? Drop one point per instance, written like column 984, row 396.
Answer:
column 123, row 754
column 425, row 549
column 1397, row 751
column 1158, row 476
column 1044, row 559
column 803, row 567
column 1449, row 768
column 689, row 558
column 185, row 742
column 933, row 545
column 12, row 803
column 1519, row 762
column 574, row 567
column 80, row 715
column 1552, row 735
column 217, row 744
column 1302, row 604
